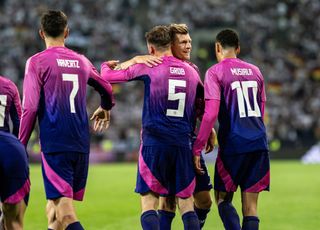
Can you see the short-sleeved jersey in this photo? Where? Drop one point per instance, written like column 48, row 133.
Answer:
column 169, row 100
column 54, row 89
column 10, row 106
column 240, row 88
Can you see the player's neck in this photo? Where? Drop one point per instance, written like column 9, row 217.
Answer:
column 163, row 53
column 228, row 54
column 54, row 42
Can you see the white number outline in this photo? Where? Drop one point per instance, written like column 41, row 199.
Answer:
column 173, row 96
column 243, row 97
column 3, row 104
column 75, row 87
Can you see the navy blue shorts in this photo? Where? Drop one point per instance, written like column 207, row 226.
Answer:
column 65, row 174
column 203, row 182
column 166, row 170
column 250, row 171
column 14, row 170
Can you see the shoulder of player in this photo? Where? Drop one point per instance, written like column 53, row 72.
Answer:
column 250, row 65
column 7, row 82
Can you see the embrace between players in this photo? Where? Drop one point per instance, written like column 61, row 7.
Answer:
column 171, row 170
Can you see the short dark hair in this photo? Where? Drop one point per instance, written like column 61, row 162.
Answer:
column 178, row 29
column 53, row 23
column 159, row 36
column 228, row 38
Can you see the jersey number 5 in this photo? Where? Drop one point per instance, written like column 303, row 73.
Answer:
column 3, row 104
column 173, row 96
column 75, row 87
column 243, row 98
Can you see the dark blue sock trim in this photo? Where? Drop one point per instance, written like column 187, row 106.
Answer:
column 250, row 218
column 75, row 226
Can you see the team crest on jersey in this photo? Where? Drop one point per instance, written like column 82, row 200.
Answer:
column 177, row 71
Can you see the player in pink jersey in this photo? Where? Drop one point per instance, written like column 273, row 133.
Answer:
column 14, row 169
column 181, row 48
column 10, row 106
column 167, row 126
column 54, row 90
column 235, row 94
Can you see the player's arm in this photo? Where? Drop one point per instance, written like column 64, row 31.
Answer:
column 118, row 76
column 31, row 96
column 200, row 105
column 148, row 60
column 103, row 87
column 211, row 111
column 209, row 118
column 101, row 116
column 15, row 111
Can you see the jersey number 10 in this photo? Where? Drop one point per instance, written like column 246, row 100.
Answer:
column 75, row 87
column 3, row 104
column 243, row 98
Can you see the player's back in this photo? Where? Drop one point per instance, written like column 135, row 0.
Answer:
column 169, row 102
column 63, row 121
column 9, row 105
column 241, row 127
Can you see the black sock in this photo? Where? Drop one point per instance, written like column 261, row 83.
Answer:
column 250, row 223
column 165, row 219
column 229, row 216
column 75, row 226
column 150, row 220
column 190, row 221
column 202, row 215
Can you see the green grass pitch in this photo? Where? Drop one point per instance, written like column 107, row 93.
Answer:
column 110, row 201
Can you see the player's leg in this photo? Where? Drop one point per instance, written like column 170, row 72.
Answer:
column 249, row 210
column 58, row 171
column 256, row 179
column 202, row 205
column 149, row 216
column 167, row 208
column 189, row 217
column 151, row 181
column 66, row 214
column 184, row 184
column 1, row 218
column 52, row 216
column 227, row 211
column 225, row 185
column 15, row 184
column 201, row 195
column 13, row 215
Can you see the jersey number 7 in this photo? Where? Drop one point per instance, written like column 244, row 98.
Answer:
column 75, row 87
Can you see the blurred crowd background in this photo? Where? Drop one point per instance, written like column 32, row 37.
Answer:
column 281, row 37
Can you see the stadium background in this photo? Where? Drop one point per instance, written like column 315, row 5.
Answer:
column 281, row 37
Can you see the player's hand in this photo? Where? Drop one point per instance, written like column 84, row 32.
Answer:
column 148, row 60
column 101, row 119
column 197, row 165
column 211, row 141
column 112, row 64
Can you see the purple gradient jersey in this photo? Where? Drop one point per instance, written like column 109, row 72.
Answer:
column 9, row 106
column 240, row 88
column 55, row 90
column 169, row 100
